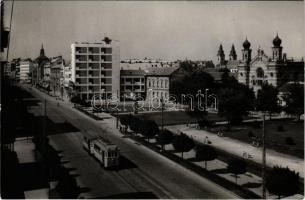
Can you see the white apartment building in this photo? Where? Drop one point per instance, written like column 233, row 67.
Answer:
column 25, row 69
column 96, row 68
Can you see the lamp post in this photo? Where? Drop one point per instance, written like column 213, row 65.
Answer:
column 103, row 90
column 206, row 99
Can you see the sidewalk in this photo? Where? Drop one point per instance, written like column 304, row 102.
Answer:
column 238, row 148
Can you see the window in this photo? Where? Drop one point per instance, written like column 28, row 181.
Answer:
column 260, row 73
column 271, row 74
column 161, row 83
column 259, row 82
column 241, row 74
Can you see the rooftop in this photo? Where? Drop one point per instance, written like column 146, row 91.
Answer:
column 160, row 71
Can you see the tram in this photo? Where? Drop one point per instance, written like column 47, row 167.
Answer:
column 102, row 149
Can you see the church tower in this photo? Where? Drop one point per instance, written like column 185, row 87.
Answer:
column 246, row 51
column 243, row 67
column 277, row 49
column 221, row 55
column 233, row 55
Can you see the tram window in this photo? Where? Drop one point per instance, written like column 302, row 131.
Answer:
column 97, row 148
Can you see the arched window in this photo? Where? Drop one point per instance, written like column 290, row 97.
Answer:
column 260, row 73
column 161, row 83
column 166, row 83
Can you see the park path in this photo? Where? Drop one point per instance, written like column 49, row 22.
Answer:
column 238, row 148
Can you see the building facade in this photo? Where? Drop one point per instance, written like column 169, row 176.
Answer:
column 43, row 67
column 67, row 75
column 96, row 68
column 132, row 84
column 276, row 70
column 25, row 67
column 57, row 65
column 158, row 82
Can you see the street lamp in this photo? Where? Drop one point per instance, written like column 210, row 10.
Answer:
column 264, row 159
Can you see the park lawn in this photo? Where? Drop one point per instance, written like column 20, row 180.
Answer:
column 275, row 139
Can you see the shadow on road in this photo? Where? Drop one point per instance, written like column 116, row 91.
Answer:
column 134, row 195
column 124, row 164
column 220, row 171
column 251, row 185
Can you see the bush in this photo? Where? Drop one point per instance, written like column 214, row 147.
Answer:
column 280, row 128
column 289, row 141
column 76, row 99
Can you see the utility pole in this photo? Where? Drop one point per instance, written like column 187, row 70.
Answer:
column 264, row 160
column 206, row 99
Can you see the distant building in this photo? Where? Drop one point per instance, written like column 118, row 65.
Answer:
column 231, row 64
column 67, row 75
column 276, row 70
column 132, row 84
column 43, row 62
column 25, row 68
column 158, row 82
column 142, row 64
column 57, row 65
column 96, row 68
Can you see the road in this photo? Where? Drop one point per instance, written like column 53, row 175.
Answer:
column 153, row 172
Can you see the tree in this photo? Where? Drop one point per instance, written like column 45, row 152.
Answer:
column 205, row 123
column 165, row 137
column 125, row 120
column 149, row 128
column 267, row 99
column 282, row 181
column 234, row 103
column 189, row 80
column 294, row 99
column 205, row 153
column 182, row 143
column 135, row 124
column 236, row 166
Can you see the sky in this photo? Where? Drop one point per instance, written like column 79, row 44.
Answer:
column 167, row 30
